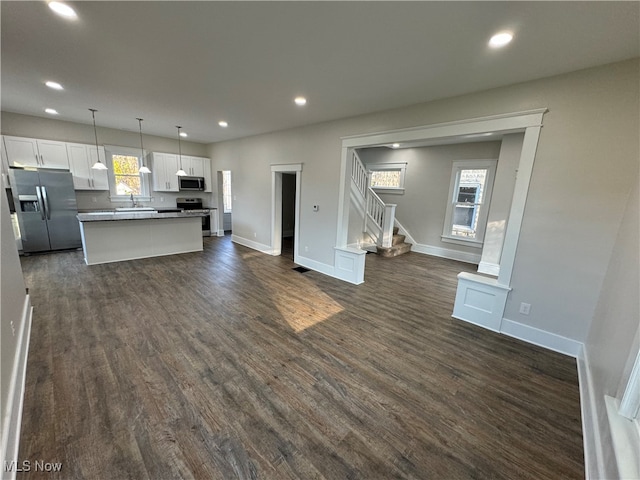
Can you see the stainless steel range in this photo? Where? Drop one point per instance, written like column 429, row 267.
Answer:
column 194, row 205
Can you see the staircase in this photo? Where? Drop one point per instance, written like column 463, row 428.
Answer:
column 398, row 246
column 379, row 217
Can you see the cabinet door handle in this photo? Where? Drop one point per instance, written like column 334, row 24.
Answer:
column 89, row 181
column 37, row 160
column 41, row 160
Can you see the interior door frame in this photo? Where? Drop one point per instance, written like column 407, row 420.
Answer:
column 276, row 207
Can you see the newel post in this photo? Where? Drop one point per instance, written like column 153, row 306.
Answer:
column 387, row 224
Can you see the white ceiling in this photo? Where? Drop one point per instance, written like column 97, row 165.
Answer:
column 195, row 63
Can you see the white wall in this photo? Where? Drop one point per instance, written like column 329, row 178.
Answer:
column 421, row 209
column 36, row 127
column 580, row 181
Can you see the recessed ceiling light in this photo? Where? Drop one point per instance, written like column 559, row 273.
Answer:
column 63, row 10
column 300, row 101
column 54, row 85
column 395, row 145
column 183, row 134
column 500, row 39
column 223, row 124
column 51, row 111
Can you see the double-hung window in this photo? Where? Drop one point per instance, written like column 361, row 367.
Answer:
column 124, row 178
column 387, row 177
column 468, row 201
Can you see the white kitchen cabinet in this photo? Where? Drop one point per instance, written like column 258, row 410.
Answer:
column 32, row 152
column 194, row 166
column 198, row 167
column 208, row 179
column 81, row 159
column 164, row 167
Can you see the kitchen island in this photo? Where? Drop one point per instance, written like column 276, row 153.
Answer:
column 119, row 236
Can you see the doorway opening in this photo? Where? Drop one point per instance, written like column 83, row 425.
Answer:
column 285, row 209
column 225, row 200
column 288, row 214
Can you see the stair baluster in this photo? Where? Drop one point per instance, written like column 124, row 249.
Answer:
column 379, row 218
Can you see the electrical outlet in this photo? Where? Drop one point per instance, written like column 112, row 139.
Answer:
column 94, row 199
column 306, row 248
column 13, row 328
column 525, row 308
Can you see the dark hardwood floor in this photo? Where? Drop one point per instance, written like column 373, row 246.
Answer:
column 229, row 364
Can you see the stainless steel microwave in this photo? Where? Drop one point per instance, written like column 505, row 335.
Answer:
column 191, row 183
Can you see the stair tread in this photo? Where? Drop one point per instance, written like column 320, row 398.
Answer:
column 398, row 239
column 394, row 250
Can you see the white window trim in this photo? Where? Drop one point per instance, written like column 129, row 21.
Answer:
column 110, row 150
column 380, row 167
column 490, row 165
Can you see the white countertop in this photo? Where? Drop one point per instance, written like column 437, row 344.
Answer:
column 145, row 215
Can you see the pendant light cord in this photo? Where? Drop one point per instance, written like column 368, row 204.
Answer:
column 179, row 146
column 95, row 132
column 141, row 146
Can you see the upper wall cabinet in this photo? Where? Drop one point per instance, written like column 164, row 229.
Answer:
column 81, row 159
column 31, row 152
column 198, row 167
column 208, row 179
column 194, row 166
column 164, row 167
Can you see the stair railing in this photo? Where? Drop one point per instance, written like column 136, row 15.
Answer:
column 359, row 173
column 379, row 217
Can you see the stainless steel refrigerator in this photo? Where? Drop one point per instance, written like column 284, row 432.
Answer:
column 45, row 202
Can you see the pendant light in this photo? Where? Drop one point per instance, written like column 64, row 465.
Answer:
column 98, row 165
column 143, row 168
column 181, row 172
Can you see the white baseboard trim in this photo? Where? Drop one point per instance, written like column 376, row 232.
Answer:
column 253, row 245
column 489, row 268
column 542, row 338
column 593, row 453
column 13, row 410
column 438, row 251
column 316, row 266
column 220, row 233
